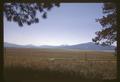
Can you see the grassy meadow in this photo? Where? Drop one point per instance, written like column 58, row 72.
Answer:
column 58, row 65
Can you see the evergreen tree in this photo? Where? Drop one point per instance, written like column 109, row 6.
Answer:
column 108, row 34
column 25, row 13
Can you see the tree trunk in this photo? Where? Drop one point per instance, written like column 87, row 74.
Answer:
column 1, row 41
column 118, row 41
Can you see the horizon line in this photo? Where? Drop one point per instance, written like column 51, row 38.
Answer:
column 48, row 44
column 52, row 45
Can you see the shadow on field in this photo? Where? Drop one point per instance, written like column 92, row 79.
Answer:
column 23, row 74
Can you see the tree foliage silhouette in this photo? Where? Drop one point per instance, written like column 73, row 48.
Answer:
column 108, row 34
column 25, row 13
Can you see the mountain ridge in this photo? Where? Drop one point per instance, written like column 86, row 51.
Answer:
column 83, row 46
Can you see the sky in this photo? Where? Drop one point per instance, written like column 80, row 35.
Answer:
column 69, row 24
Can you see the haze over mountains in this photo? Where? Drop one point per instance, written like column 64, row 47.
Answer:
column 83, row 46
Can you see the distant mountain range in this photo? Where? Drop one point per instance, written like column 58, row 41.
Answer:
column 84, row 46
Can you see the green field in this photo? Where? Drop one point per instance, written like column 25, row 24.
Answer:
column 48, row 65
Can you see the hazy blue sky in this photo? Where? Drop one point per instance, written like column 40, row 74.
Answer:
column 71, row 23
